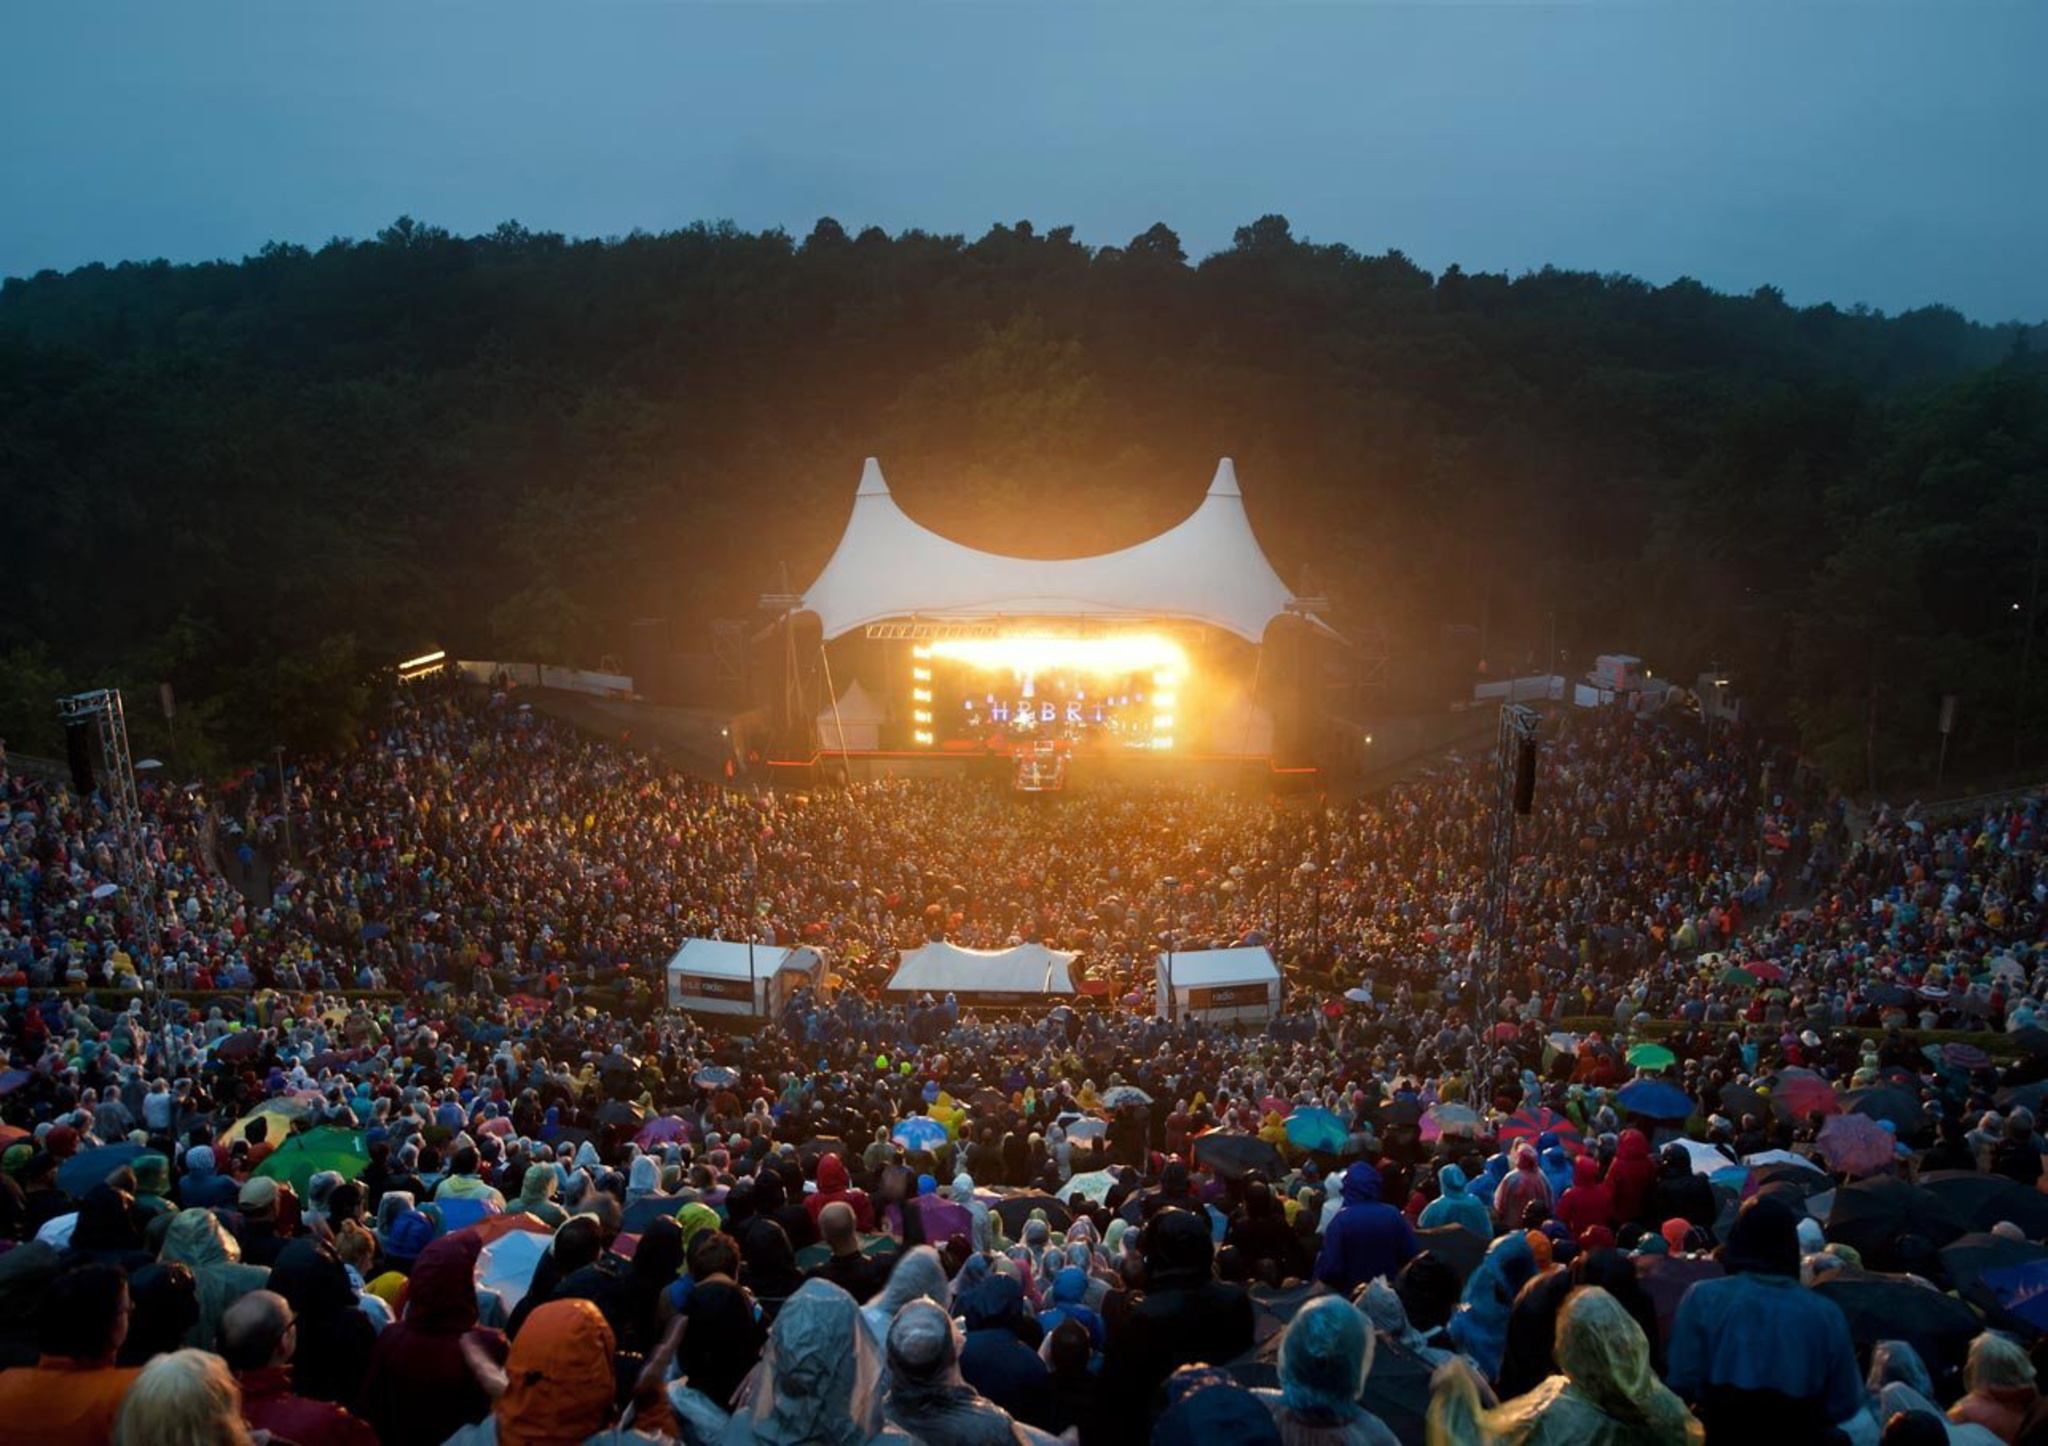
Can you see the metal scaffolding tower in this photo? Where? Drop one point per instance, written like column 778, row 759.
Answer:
column 102, row 709
column 1516, row 737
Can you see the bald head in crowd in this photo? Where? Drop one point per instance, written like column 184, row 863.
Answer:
column 255, row 1332
column 837, row 1224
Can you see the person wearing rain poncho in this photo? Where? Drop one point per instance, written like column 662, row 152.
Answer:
column 819, row 1380
column 926, row 1397
column 1604, row 1395
column 1455, row 1205
column 919, row 1275
column 197, row 1240
column 557, row 1388
column 1480, row 1327
column 1325, row 1356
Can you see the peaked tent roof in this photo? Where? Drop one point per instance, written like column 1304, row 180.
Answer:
column 1208, row 568
column 1022, row 969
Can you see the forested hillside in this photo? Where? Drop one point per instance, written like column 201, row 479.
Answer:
column 255, row 479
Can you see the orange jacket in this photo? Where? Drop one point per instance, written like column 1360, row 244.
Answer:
column 60, row 1402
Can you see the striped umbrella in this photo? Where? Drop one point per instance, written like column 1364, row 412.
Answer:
column 1533, row 1120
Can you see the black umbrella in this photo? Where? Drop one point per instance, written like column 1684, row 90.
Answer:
column 1888, row 1102
column 820, row 1146
column 1872, row 1214
column 1984, row 1200
column 2024, row 1097
column 2033, row 1039
column 1882, row 1308
column 1969, row 1258
column 1236, row 1155
column 1014, row 1210
column 1456, row 1246
column 240, row 1045
column 1738, row 1100
column 618, row 1112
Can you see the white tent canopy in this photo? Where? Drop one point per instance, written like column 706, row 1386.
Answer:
column 1219, row 984
column 1024, row 971
column 1208, row 568
column 854, row 722
column 711, row 976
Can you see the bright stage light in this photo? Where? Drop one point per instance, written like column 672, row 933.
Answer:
column 1027, row 655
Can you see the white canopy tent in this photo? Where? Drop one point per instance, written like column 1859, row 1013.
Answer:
column 990, row 976
column 1208, row 568
column 854, row 723
column 710, row 976
column 1219, row 985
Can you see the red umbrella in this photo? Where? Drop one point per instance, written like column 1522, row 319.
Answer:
column 1801, row 1092
column 1764, row 969
column 1533, row 1120
column 1505, row 1030
column 1857, row 1144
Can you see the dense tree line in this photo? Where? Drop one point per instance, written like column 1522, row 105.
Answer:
column 257, row 478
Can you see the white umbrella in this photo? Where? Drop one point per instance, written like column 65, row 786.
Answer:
column 146, row 763
column 56, row 1231
column 506, row 1265
column 1359, row 996
column 106, row 891
column 1117, row 1096
column 1095, row 1185
column 1087, row 1129
column 1706, row 1159
column 1781, row 1157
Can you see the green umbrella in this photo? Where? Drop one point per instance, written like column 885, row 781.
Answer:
column 1737, row 976
column 1651, row 1056
column 302, row 1157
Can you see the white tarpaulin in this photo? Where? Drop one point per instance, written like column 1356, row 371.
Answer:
column 1219, row 984
column 941, row 968
column 711, row 975
column 858, row 714
column 1208, row 568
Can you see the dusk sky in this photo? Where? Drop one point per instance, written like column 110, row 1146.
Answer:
column 1878, row 153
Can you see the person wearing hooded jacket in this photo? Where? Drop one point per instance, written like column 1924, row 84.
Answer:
column 1630, row 1176
column 927, row 1398
column 1456, row 1205
column 335, row 1337
column 1679, row 1193
column 1761, row 1357
column 1367, row 1238
column 999, row 1356
column 1589, row 1201
column 1521, row 1187
column 557, row 1388
column 420, row 1387
column 835, row 1184
column 202, row 1186
column 1185, row 1315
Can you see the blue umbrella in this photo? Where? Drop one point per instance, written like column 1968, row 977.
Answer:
column 375, row 931
column 1655, row 1100
column 1316, row 1129
column 91, row 1167
column 2022, row 1290
column 919, row 1132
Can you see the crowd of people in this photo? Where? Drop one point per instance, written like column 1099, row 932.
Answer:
column 1661, row 1177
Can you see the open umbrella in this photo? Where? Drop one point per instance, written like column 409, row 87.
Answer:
column 1015, row 1209
column 1449, row 1119
column 106, row 891
column 1857, row 1145
column 12, row 1080
column 1964, row 1057
column 91, row 1167
column 1887, row 1102
column 1532, row 1121
column 1651, row 1057
column 1764, row 969
column 506, row 1266
column 1705, row 1159
column 1088, row 1127
column 715, row 1077
column 1117, row 1097
column 619, row 1113
column 375, row 931
column 1235, row 1155
column 819, row 1146
column 240, row 1045
column 1460, row 1248
column 1316, row 1129
column 1653, row 1099
column 1800, row 1092
column 1984, row 1200
column 1975, row 1255
column 919, row 1132
column 2024, row 1097
column 279, row 1113
column 1872, row 1215
column 302, row 1157
column 1738, row 976
column 1937, row 1325
column 662, row 1130
column 2021, row 1291
column 1738, row 1100
column 1093, row 1185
